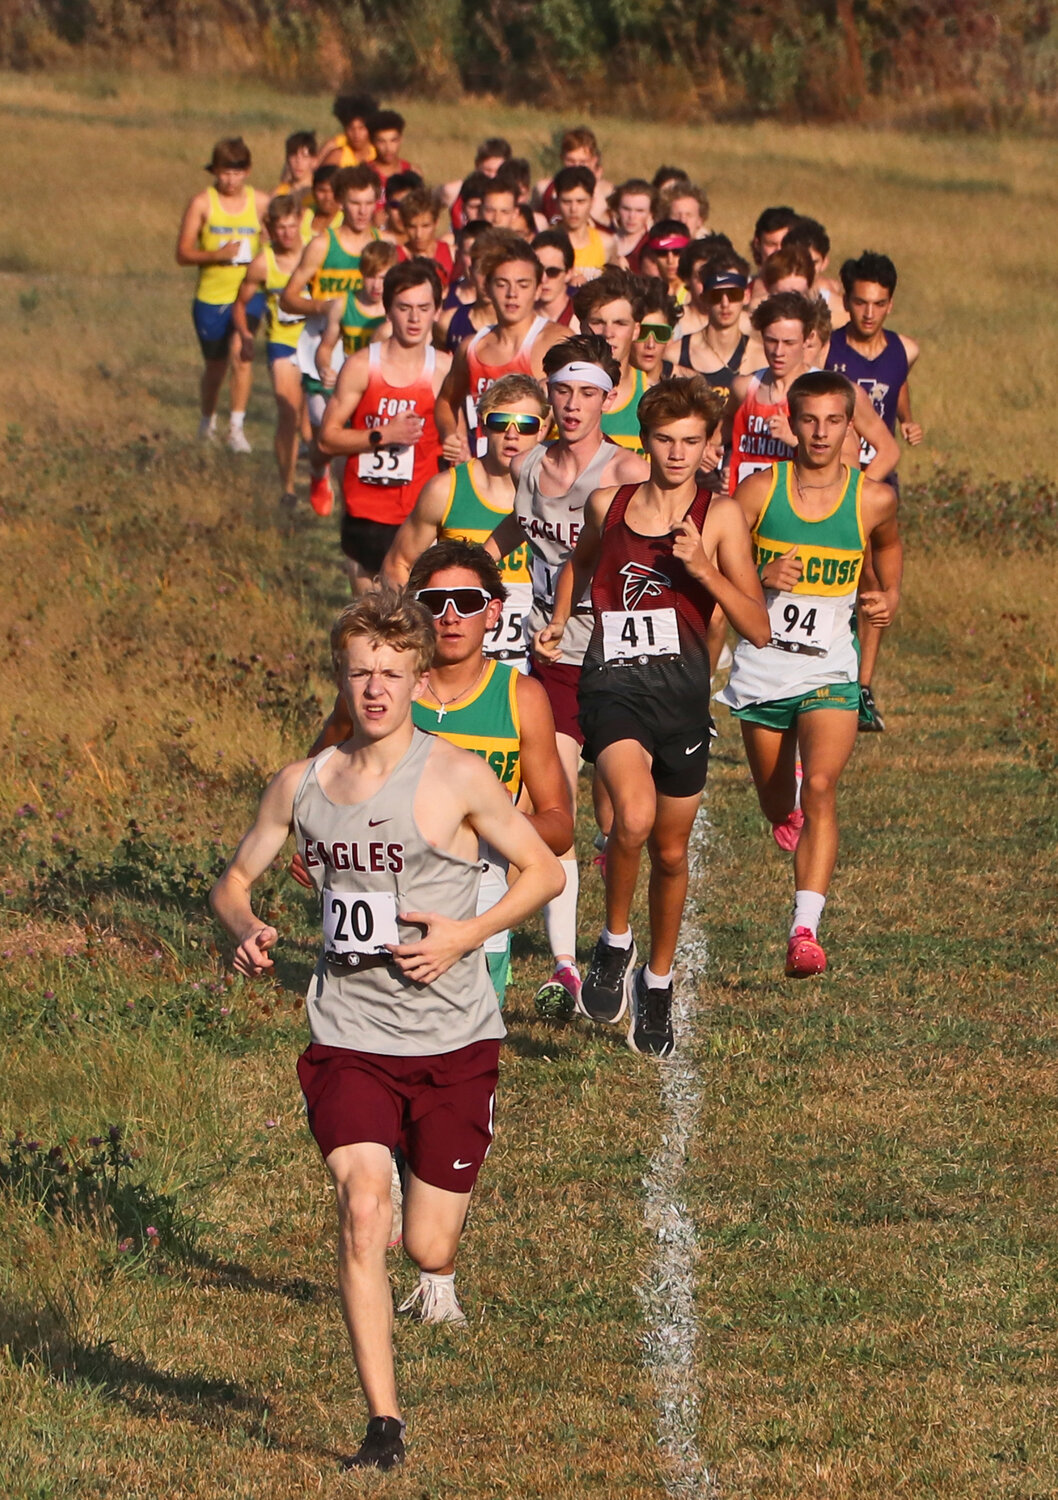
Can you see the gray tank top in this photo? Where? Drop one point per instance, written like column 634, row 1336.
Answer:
column 552, row 525
column 369, row 861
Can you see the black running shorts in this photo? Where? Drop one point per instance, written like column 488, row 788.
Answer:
column 367, row 542
column 679, row 762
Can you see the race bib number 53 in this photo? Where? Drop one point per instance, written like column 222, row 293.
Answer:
column 360, row 922
column 800, row 625
column 386, row 465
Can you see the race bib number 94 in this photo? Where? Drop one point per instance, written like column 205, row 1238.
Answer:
column 360, row 922
column 639, row 632
column 386, row 465
column 800, row 625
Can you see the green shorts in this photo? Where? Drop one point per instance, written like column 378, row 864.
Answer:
column 499, row 972
column 781, row 712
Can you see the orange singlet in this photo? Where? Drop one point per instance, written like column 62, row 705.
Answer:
column 480, row 375
column 752, row 445
column 384, row 483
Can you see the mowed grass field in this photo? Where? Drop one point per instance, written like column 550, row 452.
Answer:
column 871, row 1173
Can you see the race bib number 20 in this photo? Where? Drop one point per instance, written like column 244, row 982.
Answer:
column 361, row 922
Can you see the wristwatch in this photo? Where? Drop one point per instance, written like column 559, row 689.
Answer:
column 374, row 437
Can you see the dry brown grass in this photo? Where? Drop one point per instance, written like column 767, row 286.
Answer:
column 871, row 1179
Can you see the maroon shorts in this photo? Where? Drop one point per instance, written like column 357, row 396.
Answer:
column 438, row 1110
column 561, row 681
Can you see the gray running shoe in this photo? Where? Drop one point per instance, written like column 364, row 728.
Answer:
column 650, row 1030
column 604, row 995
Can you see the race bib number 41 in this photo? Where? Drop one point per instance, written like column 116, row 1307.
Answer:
column 639, row 632
column 386, row 465
column 800, row 625
column 359, row 922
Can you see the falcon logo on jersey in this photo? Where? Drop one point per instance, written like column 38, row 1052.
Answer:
column 641, row 583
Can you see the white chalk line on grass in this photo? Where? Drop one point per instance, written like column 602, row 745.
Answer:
column 667, row 1293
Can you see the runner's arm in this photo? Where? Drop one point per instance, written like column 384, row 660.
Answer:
column 732, row 579
column 252, row 282
column 542, row 774
column 782, row 573
column 887, row 554
column 419, row 531
column 292, row 299
column 230, row 897
column 507, row 536
column 451, row 401
column 911, row 429
column 328, row 343
column 187, row 249
column 489, row 811
column 870, row 427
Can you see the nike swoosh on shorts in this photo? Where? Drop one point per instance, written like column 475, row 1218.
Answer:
column 693, row 748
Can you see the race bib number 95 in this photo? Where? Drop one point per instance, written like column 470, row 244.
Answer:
column 359, row 921
column 800, row 625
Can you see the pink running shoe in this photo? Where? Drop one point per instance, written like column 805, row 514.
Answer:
column 804, row 956
column 787, row 834
column 557, row 999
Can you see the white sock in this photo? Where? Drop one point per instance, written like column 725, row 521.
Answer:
column 437, row 1277
column 560, row 915
column 617, row 939
column 237, row 419
column 207, row 425
column 656, row 981
column 807, row 911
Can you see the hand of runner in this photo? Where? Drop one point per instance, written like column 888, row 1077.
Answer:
column 712, row 457
column 783, row 572
column 226, row 253
column 246, row 347
column 251, row 956
column 879, row 607
column 779, row 427
column 912, row 433
column 299, row 872
column 455, row 448
column 688, row 548
column 444, row 943
column 403, row 429
column 328, row 375
column 547, row 643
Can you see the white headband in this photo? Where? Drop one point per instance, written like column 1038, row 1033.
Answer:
column 583, row 373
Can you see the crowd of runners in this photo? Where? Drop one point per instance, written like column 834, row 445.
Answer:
column 579, row 440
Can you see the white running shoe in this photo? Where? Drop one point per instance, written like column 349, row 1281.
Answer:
column 238, row 442
column 438, row 1297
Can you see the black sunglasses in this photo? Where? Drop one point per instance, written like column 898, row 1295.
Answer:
column 554, row 272
column 465, row 602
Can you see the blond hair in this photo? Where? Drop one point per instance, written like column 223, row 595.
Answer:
column 512, row 388
column 385, row 618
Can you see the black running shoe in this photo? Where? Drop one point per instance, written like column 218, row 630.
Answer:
column 382, row 1448
column 604, row 994
column 650, row 1031
column 870, row 720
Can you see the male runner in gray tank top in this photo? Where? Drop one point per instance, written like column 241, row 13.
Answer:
column 553, row 485
column 404, row 1025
